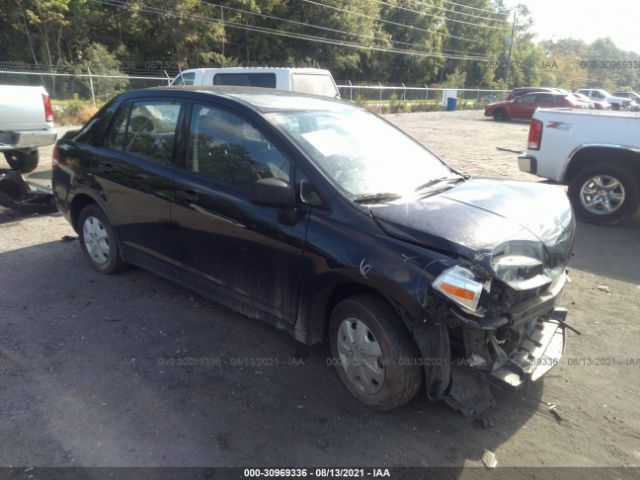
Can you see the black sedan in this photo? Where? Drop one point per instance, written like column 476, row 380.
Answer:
column 326, row 221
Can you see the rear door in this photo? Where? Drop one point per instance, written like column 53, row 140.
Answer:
column 546, row 100
column 136, row 170
column 523, row 107
column 241, row 253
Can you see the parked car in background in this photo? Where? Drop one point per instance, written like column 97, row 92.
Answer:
column 287, row 208
column 305, row 80
column 587, row 101
column 633, row 96
column 518, row 92
column 26, row 123
column 597, row 104
column 522, row 107
column 597, row 94
column 596, row 153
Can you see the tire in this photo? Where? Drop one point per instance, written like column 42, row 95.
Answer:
column 98, row 240
column 396, row 376
column 585, row 182
column 500, row 115
column 24, row 161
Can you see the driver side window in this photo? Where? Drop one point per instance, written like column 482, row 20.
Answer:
column 228, row 149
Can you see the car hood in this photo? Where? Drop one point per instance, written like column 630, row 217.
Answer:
column 519, row 232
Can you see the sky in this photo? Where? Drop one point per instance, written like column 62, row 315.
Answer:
column 586, row 20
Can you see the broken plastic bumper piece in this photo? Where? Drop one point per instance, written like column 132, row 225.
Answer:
column 537, row 354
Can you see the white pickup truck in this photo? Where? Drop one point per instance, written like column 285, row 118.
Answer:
column 595, row 152
column 26, row 122
column 315, row 81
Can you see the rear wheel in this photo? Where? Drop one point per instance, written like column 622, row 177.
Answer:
column 604, row 194
column 374, row 353
column 98, row 240
column 24, row 161
column 500, row 115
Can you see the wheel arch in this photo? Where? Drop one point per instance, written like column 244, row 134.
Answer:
column 313, row 328
column 78, row 203
column 626, row 156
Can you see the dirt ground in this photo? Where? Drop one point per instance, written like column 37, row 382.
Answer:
column 90, row 374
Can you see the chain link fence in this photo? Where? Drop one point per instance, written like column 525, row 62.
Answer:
column 417, row 98
column 77, row 89
column 81, row 85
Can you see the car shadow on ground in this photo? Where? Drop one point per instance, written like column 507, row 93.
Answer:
column 611, row 251
column 131, row 369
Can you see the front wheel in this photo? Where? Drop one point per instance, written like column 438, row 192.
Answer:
column 98, row 240
column 500, row 115
column 24, row 161
column 604, row 194
column 375, row 356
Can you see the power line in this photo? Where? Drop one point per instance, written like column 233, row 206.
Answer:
column 468, row 6
column 390, row 22
column 270, row 31
column 462, row 13
column 334, row 30
column 440, row 17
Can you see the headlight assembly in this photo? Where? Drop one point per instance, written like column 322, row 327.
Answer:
column 460, row 285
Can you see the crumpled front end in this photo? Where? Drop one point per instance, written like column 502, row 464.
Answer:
column 512, row 348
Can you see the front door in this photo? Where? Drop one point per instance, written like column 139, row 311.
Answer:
column 240, row 252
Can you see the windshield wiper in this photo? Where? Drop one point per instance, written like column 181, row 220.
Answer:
column 436, row 181
column 377, row 197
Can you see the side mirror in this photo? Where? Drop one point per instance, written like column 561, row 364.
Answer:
column 273, row 192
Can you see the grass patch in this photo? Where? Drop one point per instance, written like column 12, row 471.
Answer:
column 73, row 111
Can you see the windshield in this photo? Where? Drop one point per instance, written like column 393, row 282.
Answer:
column 363, row 154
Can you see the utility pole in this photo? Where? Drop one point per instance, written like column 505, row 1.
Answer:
column 224, row 30
column 511, row 42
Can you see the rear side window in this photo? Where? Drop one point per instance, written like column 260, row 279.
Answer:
column 544, row 98
column 185, row 79
column 264, row 80
column 146, row 129
column 116, row 136
column 314, row 84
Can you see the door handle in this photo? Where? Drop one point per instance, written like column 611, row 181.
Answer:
column 188, row 195
column 105, row 168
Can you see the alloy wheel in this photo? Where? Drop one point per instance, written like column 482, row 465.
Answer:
column 602, row 195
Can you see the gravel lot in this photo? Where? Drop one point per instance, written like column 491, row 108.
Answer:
column 83, row 360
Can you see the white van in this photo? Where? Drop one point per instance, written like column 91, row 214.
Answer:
column 306, row 80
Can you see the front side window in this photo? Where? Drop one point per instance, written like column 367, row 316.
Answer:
column 228, row 149
column 527, row 99
column 360, row 152
column 146, row 129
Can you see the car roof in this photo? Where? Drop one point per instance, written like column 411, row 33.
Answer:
column 316, row 71
column 265, row 100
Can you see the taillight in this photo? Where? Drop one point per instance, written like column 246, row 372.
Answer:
column 535, row 134
column 55, row 157
column 48, row 109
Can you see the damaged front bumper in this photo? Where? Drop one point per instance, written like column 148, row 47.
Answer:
column 538, row 353
column 512, row 350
